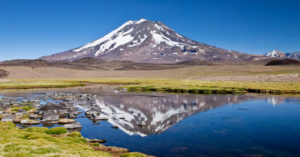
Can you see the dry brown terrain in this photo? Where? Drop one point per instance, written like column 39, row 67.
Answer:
column 238, row 72
column 3, row 73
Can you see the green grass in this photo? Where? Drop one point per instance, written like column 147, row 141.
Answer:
column 56, row 131
column 26, row 108
column 34, row 142
column 74, row 134
column 25, row 116
column 39, row 83
column 95, row 144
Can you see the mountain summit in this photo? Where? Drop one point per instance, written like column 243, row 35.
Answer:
column 275, row 53
column 278, row 54
column 149, row 42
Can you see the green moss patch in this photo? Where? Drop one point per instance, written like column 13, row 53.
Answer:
column 34, row 142
column 74, row 134
column 133, row 154
column 56, row 131
column 95, row 144
column 26, row 108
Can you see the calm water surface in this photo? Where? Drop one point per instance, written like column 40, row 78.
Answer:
column 193, row 125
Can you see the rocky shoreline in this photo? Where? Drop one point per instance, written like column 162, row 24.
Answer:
column 56, row 108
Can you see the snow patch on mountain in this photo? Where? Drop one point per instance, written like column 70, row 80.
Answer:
column 159, row 38
column 123, row 38
column 106, row 37
column 275, row 53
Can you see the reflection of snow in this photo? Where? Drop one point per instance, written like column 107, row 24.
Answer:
column 274, row 100
column 158, row 113
column 159, row 116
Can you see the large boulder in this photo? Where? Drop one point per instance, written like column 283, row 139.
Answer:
column 93, row 111
column 25, row 101
column 34, row 101
column 50, row 116
column 19, row 114
column 24, row 122
column 17, row 120
column 33, row 122
column 51, row 107
column 3, row 105
column 101, row 117
column 8, row 118
column 71, row 115
column 33, row 116
column 73, row 125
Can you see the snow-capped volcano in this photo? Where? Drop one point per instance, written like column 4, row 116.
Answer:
column 275, row 53
column 147, row 41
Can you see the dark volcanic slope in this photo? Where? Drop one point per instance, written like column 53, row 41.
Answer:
column 3, row 73
column 195, row 62
column 90, row 63
column 146, row 41
column 44, row 63
column 283, row 62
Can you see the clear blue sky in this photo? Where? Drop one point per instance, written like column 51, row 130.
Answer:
column 33, row 28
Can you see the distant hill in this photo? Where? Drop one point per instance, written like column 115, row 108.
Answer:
column 286, row 61
column 90, row 63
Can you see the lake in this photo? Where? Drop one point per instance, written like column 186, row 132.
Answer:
column 247, row 125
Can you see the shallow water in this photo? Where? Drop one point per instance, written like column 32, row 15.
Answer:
column 193, row 125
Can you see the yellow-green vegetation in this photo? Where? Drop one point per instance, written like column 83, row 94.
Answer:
column 174, row 85
column 57, row 131
column 95, row 144
column 23, row 104
column 74, row 134
column 26, row 108
column 39, row 83
column 34, row 142
column 25, row 117
column 199, row 86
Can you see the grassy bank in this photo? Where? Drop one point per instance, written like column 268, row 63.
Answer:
column 168, row 85
column 39, row 141
column 39, row 83
column 34, row 141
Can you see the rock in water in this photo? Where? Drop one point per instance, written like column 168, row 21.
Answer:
column 66, row 121
column 73, row 125
column 33, row 122
column 92, row 111
column 50, row 116
column 97, row 141
column 101, row 117
column 24, row 121
column 51, row 107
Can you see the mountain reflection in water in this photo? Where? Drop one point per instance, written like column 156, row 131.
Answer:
column 248, row 125
column 159, row 111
